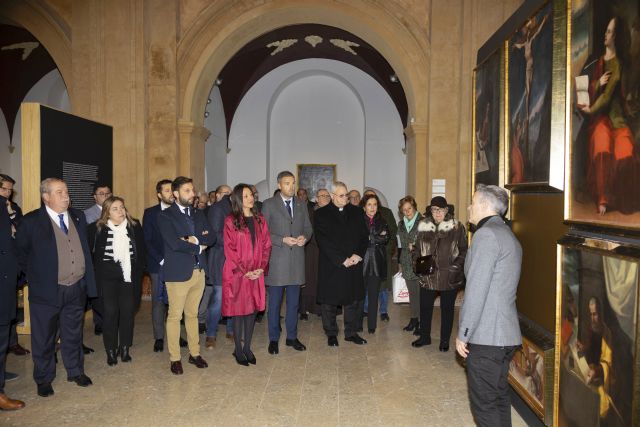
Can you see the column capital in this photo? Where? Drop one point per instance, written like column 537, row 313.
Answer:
column 186, row 127
column 414, row 129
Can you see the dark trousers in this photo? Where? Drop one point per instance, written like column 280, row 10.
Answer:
column 291, row 317
column 158, row 307
column 118, row 309
column 372, row 289
column 96, row 307
column 68, row 316
column 351, row 316
column 487, row 370
column 447, row 304
column 4, row 344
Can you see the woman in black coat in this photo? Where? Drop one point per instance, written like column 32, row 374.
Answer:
column 117, row 243
column 374, row 268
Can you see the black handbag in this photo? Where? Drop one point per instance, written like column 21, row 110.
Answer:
column 424, row 265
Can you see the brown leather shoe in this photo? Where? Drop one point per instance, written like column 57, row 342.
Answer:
column 210, row 343
column 8, row 404
column 176, row 368
column 230, row 337
column 18, row 350
column 198, row 361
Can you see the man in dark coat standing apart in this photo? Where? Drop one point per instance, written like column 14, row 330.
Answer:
column 342, row 237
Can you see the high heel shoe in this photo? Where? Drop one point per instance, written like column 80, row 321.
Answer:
column 112, row 357
column 124, row 354
column 413, row 324
column 241, row 359
column 444, row 346
column 251, row 358
column 421, row 342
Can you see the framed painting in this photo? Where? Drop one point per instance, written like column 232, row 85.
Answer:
column 603, row 162
column 488, row 83
column 596, row 334
column 535, row 95
column 314, row 177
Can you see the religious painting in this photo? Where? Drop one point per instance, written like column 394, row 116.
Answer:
column 487, row 138
column 529, row 100
column 526, row 375
column 603, row 179
column 596, row 332
column 313, row 177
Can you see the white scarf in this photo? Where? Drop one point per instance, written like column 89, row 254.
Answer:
column 121, row 253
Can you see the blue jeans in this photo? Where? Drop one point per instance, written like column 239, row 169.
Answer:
column 273, row 312
column 214, row 313
column 383, row 301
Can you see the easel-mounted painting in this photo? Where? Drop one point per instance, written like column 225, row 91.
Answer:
column 488, row 149
column 596, row 332
column 534, row 100
column 314, row 177
column 603, row 165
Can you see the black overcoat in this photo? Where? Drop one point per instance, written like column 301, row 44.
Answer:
column 8, row 267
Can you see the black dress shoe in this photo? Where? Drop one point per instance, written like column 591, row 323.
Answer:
column 372, row 331
column 241, row 359
column 82, row 380
column 251, row 358
column 45, row 390
column 296, row 344
column 384, row 317
column 86, row 350
column 273, row 347
column 412, row 325
column 176, row 368
column 198, row 361
column 112, row 357
column 124, row 354
column 183, row 342
column 304, row 316
column 332, row 341
column 421, row 342
column 158, row 345
column 444, row 346
column 259, row 317
column 18, row 350
column 356, row 339
column 97, row 330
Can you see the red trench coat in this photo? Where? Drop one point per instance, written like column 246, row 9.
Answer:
column 242, row 296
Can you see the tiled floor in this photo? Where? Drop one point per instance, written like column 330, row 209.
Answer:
column 386, row 382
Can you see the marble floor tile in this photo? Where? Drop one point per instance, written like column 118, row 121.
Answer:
column 383, row 383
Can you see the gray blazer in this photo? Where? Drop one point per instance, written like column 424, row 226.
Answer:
column 492, row 267
column 286, row 265
column 92, row 214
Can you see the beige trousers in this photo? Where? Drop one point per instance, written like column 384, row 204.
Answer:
column 184, row 297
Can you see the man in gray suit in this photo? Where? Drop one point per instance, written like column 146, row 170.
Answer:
column 489, row 331
column 101, row 193
column 290, row 228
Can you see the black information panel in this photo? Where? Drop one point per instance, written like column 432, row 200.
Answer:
column 77, row 150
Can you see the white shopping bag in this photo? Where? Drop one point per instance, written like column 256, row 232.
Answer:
column 400, row 291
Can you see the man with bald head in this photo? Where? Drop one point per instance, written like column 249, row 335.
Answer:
column 343, row 237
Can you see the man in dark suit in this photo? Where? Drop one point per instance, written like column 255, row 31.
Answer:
column 54, row 253
column 343, row 237
column 155, row 258
column 215, row 261
column 186, row 234
column 489, row 329
column 290, row 229
column 8, row 276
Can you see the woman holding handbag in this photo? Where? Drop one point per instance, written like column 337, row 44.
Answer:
column 247, row 247
column 407, row 232
column 117, row 243
column 441, row 244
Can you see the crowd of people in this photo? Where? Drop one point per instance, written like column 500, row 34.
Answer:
column 225, row 257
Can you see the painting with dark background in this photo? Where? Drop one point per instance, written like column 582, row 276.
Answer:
column 598, row 338
column 487, row 121
column 604, row 173
column 529, row 85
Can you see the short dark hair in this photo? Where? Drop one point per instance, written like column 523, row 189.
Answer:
column 100, row 185
column 6, row 178
column 161, row 183
column 211, row 192
column 179, row 182
column 366, row 198
column 285, row 174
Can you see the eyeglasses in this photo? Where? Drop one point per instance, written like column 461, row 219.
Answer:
column 103, row 194
column 323, row 195
column 9, row 190
column 439, row 210
column 342, row 196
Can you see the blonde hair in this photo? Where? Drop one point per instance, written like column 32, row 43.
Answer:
column 104, row 216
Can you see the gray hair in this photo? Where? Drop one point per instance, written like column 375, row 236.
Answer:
column 321, row 189
column 496, row 197
column 337, row 184
column 45, row 185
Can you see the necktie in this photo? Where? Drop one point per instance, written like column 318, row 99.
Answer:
column 186, row 211
column 63, row 226
column 288, row 203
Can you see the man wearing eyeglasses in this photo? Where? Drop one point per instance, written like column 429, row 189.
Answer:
column 342, row 237
column 101, row 193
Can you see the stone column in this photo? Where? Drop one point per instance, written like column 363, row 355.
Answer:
column 417, row 162
column 192, row 158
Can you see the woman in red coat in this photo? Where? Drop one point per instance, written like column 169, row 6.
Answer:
column 247, row 246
